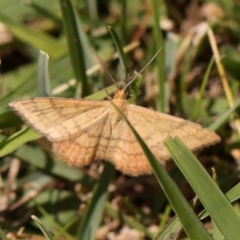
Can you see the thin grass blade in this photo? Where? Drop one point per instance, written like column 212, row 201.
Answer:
column 42, row 228
column 156, row 4
column 93, row 214
column 38, row 39
column 174, row 226
column 44, row 84
column 224, row 117
column 202, row 89
column 2, row 235
column 122, row 56
column 75, row 44
column 191, row 224
column 16, row 140
column 215, row 202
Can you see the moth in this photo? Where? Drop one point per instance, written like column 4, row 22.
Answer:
column 84, row 130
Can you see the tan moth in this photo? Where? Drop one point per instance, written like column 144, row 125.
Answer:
column 84, row 130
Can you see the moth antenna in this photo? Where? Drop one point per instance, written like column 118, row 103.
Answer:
column 139, row 73
column 100, row 61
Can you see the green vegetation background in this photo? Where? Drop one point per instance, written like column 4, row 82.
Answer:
column 45, row 50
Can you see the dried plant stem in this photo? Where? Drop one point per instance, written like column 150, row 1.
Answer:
column 223, row 75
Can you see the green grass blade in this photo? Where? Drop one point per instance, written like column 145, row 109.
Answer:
column 174, row 226
column 124, row 20
column 16, row 140
column 93, row 214
column 43, row 229
column 75, row 44
column 88, row 57
column 202, row 89
column 65, row 228
column 92, row 9
column 160, row 58
column 56, row 199
column 38, row 39
column 191, row 224
column 171, row 47
column 232, row 195
column 224, row 117
column 44, row 84
column 2, row 235
column 184, row 74
column 8, row 118
column 122, row 56
column 135, row 86
column 26, row 87
column 46, row 13
column 215, row 202
column 58, row 168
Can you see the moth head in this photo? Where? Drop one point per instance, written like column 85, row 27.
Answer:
column 121, row 93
